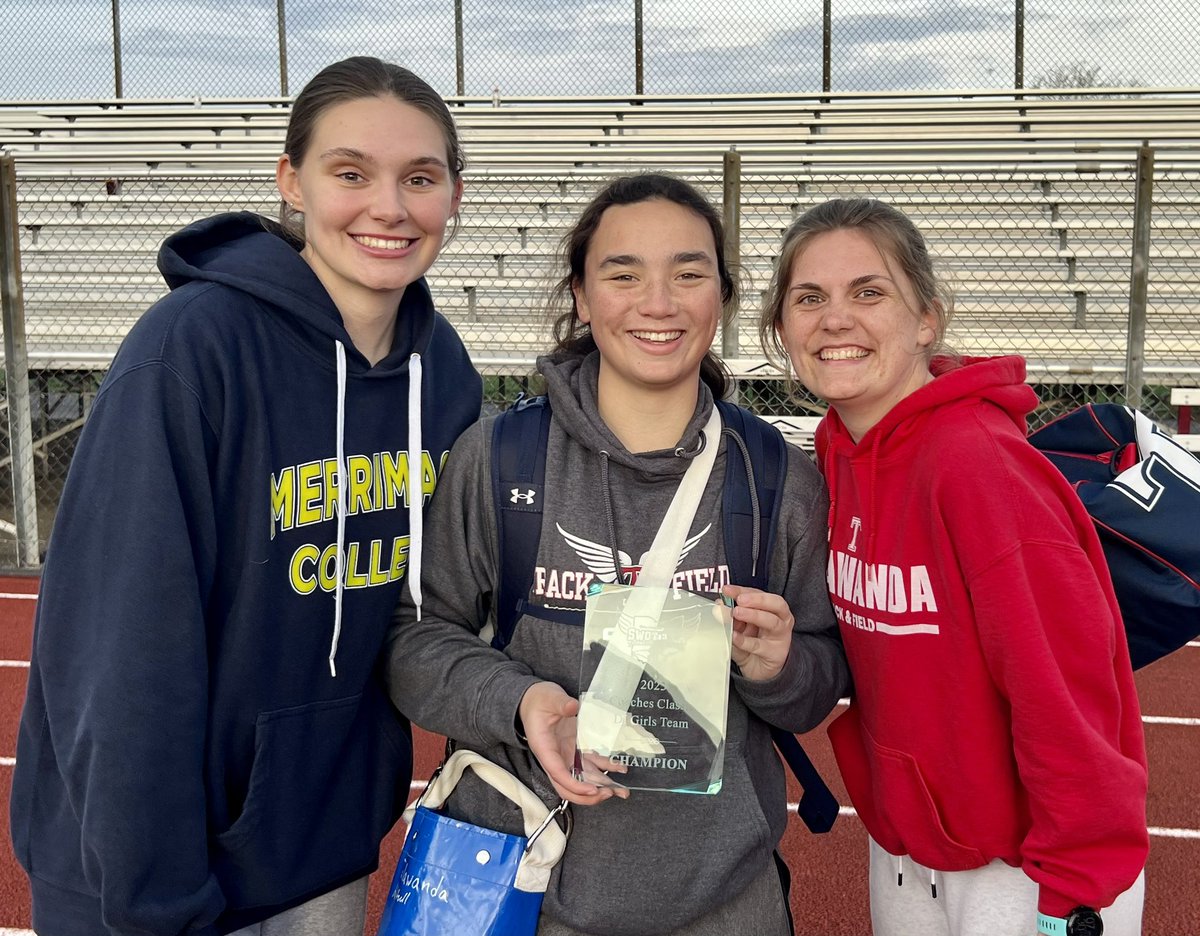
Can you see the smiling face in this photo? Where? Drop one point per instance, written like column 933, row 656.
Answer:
column 377, row 194
column 852, row 328
column 651, row 295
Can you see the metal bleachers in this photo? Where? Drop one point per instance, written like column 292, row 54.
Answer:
column 1027, row 203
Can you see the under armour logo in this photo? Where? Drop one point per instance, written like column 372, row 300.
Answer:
column 522, row 497
column 855, row 525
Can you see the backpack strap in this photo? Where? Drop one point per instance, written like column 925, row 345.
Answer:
column 520, row 437
column 768, row 460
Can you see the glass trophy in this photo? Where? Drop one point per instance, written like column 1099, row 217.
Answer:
column 654, row 689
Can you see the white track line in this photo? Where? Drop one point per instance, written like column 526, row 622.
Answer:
column 20, row 596
column 4, row 931
column 18, row 664
column 1170, row 720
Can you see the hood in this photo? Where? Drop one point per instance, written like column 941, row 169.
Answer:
column 999, row 381
column 958, row 381
column 572, row 384
column 251, row 253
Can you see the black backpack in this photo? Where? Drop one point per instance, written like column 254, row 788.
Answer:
column 1142, row 491
column 519, row 442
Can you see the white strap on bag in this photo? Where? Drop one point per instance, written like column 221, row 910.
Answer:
column 547, row 841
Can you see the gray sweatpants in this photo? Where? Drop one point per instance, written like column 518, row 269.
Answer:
column 995, row 900
column 758, row 911
column 342, row 912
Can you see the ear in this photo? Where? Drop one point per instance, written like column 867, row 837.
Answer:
column 927, row 333
column 287, row 180
column 581, row 306
column 456, row 199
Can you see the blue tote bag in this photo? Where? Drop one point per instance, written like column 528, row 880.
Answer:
column 458, row 879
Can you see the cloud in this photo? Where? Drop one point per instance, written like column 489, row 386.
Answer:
column 188, row 47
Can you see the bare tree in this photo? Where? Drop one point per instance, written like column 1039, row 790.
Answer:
column 1090, row 79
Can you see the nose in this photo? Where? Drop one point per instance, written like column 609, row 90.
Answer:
column 657, row 298
column 389, row 206
column 836, row 315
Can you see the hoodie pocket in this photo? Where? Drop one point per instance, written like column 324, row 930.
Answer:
column 328, row 781
column 893, row 800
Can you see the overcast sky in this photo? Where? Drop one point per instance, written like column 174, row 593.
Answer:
column 63, row 48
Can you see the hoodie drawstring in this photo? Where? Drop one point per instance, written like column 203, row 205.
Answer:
column 339, row 559
column 416, row 482
column 900, row 876
column 416, row 493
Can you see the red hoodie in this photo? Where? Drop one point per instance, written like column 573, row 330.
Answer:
column 995, row 713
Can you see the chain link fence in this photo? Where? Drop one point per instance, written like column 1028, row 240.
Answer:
column 193, row 48
column 1039, row 261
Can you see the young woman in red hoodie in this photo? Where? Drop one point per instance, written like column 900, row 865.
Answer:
column 993, row 747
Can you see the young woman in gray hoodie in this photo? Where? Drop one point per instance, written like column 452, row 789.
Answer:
column 631, row 384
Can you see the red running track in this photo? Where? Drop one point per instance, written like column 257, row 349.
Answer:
column 829, row 894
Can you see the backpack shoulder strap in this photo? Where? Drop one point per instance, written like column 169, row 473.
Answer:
column 768, row 464
column 519, row 439
column 768, row 469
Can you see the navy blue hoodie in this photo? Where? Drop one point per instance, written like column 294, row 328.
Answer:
column 206, row 740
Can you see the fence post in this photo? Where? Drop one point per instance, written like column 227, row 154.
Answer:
column 1139, row 278
column 281, row 28
column 827, row 46
column 639, row 71
column 731, row 201
column 16, row 371
column 1019, row 45
column 460, row 86
column 116, row 18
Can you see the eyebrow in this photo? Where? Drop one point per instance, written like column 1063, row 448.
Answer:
column 857, row 281
column 348, row 152
column 686, row 256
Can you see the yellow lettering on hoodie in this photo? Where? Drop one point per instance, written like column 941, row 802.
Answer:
column 399, row 556
column 283, row 500
column 303, row 582
column 394, row 474
column 331, row 491
column 354, row 576
column 308, row 484
column 358, row 467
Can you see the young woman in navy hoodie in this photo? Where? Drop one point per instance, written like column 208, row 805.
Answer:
column 207, row 745
column 993, row 747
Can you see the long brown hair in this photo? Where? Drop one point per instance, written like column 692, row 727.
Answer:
column 572, row 335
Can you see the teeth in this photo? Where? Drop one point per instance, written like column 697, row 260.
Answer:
column 382, row 243
column 659, row 337
column 843, row 354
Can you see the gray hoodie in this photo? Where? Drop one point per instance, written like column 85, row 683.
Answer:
column 656, row 861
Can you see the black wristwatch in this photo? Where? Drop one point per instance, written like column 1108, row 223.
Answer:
column 1082, row 921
